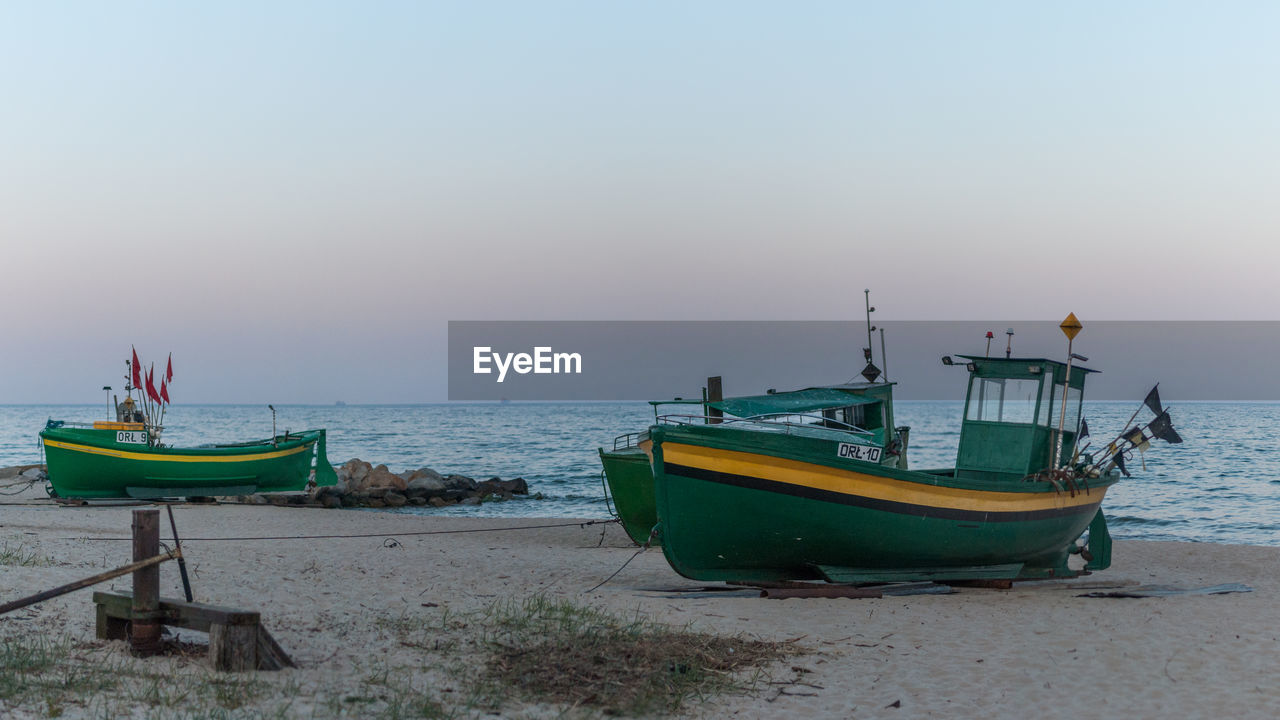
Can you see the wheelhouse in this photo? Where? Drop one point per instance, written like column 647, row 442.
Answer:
column 1011, row 415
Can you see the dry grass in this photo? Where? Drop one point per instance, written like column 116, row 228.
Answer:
column 558, row 652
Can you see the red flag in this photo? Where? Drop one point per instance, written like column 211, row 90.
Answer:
column 164, row 391
column 151, row 386
column 168, row 374
column 137, row 369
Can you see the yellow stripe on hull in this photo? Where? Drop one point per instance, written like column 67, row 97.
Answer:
column 164, row 457
column 851, row 482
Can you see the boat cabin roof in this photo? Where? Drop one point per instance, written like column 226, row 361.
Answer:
column 990, row 367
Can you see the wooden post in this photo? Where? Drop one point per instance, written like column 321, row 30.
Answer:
column 715, row 393
column 145, row 636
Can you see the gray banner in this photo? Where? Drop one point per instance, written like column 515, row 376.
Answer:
column 642, row 360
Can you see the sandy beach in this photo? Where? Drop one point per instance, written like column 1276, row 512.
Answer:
column 356, row 612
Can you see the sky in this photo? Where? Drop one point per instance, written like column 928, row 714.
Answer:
column 296, row 197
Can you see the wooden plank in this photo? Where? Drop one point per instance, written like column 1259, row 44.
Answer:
column 178, row 612
column 233, row 648
column 884, row 575
column 270, row 655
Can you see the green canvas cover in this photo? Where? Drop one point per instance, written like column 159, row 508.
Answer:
column 798, row 401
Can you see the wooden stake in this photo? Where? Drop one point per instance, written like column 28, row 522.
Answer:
column 145, row 638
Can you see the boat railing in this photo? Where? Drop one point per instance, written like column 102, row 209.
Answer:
column 786, row 422
column 630, row 440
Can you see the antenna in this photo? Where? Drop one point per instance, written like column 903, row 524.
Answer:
column 108, row 389
column 990, row 335
column 1008, row 348
column 273, row 423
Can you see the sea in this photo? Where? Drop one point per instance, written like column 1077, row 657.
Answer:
column 1221, row 485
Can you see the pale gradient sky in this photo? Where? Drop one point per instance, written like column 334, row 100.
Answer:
column 302, row 194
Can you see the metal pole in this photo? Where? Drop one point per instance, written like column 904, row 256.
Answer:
column 1062, row 412
column 884, row 357
column 182, row 562
column 867, row 292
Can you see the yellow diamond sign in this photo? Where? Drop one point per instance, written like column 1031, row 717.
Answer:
column 1071, row 326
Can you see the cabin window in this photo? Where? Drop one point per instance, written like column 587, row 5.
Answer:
column 1008, row 400
column 1072, row 421
column 1046, row 404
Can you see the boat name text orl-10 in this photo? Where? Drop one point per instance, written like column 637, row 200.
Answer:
column 866, row 453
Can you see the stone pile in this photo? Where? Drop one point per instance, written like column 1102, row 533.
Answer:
column 362, row 484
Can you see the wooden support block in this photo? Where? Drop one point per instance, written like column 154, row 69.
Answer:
column 237, row 639
column 109, row 627
column 233, row 648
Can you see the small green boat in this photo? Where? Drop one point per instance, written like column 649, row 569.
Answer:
column 769, row 498
column 124, row 458
column 115, row 460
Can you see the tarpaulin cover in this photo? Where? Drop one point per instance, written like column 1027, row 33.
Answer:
column 798, row 401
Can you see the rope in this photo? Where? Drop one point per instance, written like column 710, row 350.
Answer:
column 582, row 524
column 652, row 534
column 25, row 485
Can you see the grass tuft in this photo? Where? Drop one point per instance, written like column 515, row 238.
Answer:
column 18, row 555
column 556, row 651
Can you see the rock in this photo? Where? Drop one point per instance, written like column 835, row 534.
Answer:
column 376, row 492
column 459, row 482
column 504, row 488
column 441, row 502
column 417, row 501
column 394, row 499
column 353, row 473
column 330, row 500
column 376, row 503
column 473, row 500
column 34, row 474
column 430, row 483
column 381, row 477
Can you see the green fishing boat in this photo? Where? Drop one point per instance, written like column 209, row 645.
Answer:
column 125, row 458
column 771, row 497
column 628, row 478
column 115, row 460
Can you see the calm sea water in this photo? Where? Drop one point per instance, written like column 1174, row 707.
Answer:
column 1221, row 485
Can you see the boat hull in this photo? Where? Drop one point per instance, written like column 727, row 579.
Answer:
column 630, row 485
column 91, row 464
column 738, row 505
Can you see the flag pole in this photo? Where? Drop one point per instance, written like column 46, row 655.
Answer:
column 1070, row 327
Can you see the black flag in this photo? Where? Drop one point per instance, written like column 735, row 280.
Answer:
column 1153, row 400
column 1084, row 429
column 1118, row 459
column 1162, row 427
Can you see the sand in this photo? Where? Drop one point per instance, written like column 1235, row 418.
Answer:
column 1036, row 650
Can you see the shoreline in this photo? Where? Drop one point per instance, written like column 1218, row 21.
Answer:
column 332, row 602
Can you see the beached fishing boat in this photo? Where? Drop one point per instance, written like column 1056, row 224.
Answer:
column 124, row 458
column 628, row 477
column 768, row 497
column 115, row 460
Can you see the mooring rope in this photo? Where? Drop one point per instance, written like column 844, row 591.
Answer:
column 582, row 524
